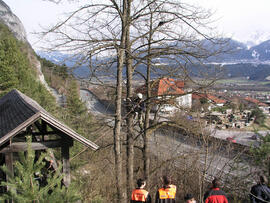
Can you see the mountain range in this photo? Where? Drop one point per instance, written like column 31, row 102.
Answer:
column 242, row 61
column 239, row 61
column 239, row 53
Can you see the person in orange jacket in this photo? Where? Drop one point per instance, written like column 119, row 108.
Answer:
column 166, row 194
column 139, row 194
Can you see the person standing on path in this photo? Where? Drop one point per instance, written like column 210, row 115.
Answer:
column 260, row 193
column 215, row 194
column 189, row 198
column 166, row 194
column 140, row 195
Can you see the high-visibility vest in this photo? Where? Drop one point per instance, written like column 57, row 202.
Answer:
column 168, row 192
column 139, row 195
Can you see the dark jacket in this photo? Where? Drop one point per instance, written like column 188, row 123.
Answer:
column 142, row 191
column 259, row 193
column 138, row 105
column 215, row 195
column 172, row 191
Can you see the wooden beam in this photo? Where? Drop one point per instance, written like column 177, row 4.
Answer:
column 44, row 126
column 66, row 165
column 9, row 163
column 22, row 146
column 47, row 133
column 55, row 129
column 46, row 137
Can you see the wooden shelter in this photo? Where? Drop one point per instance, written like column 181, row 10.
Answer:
column 21, row 116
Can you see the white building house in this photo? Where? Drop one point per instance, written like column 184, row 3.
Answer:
column 168, row 95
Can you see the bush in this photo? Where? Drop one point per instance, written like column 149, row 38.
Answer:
column 259, row 116
column 27, row 183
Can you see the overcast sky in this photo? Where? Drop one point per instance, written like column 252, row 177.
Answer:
column 242, row 19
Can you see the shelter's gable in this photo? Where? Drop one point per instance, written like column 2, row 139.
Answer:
column 17, row 112
column 21, row 116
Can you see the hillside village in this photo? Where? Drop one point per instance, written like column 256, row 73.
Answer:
column 223, row 109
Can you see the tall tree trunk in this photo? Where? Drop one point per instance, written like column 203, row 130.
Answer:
column 117, row 130
column 121, row 195
column 146, row 158
column 129, row 119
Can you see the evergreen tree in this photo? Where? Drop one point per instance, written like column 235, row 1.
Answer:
column 8, row 78
column 77, row 115
column 262, row 154
column 74, row 105
column 26, row 184
column 16, row 71
column 76, row 109
column 259, row 116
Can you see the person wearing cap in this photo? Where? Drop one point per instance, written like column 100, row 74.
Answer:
column 260, row 192
column 138, row 106
column 139, row 194
column 166, row 194
column 215, row 194
column 189, row 198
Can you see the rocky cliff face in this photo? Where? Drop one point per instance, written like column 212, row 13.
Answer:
column 12, row 21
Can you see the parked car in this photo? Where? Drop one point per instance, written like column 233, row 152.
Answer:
column 231, row 139
column 167, row 108
column 255, row 137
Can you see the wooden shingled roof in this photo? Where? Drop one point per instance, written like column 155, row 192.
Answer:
column 18, row 111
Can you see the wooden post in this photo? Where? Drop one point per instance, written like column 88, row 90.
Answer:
column 44, row 129
column 9, row 163
column 66, row 165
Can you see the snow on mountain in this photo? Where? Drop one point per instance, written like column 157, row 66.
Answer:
column 262, row 51
column 55, row 56
column 255, row 38
column 253, row 62
column 239, row 53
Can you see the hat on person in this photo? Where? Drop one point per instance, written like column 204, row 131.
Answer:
column 140, row 95
column 188, row 197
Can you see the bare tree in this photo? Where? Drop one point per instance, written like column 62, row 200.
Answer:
column 113, row 36
column 157, row 40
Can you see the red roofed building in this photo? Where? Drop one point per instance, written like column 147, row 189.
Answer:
column 213, row 99
column 168, row 88
column 180, row 84
column 255, row 101
column 264, row 107
column 162, row 87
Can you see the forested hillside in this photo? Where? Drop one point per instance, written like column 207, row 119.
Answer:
column 18, row 72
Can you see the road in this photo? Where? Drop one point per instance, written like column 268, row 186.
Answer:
column 94, row 105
